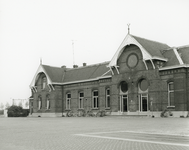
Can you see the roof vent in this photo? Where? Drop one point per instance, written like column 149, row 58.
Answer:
column 84, row 64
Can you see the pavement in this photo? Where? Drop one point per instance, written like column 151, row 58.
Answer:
column 94, row 133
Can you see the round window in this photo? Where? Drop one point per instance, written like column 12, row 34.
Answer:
column 144, row 85
column 132, row 60
column 124, row 87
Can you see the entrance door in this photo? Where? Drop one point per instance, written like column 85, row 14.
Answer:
column 123, row 104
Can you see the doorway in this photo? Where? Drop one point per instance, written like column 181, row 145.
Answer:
column 124, row 103
column 143, row 102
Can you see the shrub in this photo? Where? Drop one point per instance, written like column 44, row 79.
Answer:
column 17, row 111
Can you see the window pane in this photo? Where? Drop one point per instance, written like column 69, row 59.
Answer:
column 108, row 101
column 172, row 102
column 81, row 94
column 108, row 91
column 95, row 93
column 68, row 95
column 171, row 86
column 124, row 87
column 94, row 102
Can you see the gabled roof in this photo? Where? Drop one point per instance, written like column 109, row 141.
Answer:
column 58, row 75
column 150, row 49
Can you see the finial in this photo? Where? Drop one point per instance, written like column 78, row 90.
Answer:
column 128, row 28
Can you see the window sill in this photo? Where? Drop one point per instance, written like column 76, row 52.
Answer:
column 107, row 108
column 94, row 108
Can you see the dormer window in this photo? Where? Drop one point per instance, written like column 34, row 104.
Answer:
column 159, row 64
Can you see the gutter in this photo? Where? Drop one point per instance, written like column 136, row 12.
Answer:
column 88, row 80
column 174, row 67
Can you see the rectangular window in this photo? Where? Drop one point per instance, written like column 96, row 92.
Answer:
column 68, row 101
column 95, row 100
column 81, row 97
column 107, row 98
column 171, row 101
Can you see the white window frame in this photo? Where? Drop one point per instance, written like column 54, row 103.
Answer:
column 95, row 100
column 39, row 103
column 141, row 95
column 107, row 98
column 68, row 101
column 48, row 103
column 169, row 92
column 81, row 100
column 141, row 102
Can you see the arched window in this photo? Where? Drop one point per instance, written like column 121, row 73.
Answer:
column 124, row 87
column 171, row 101
column 143, row 95
column 124, row 97
column 95, row 100
column 48, row 102
column 68, row 100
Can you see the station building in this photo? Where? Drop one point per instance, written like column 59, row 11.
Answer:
column 144, row 77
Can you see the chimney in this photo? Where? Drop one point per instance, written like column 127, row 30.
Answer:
column 84, row 64
column 75, row 66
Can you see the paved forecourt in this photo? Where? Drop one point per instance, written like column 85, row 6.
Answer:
column 94, row 133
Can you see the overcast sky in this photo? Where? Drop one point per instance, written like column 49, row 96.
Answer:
column 34, row 29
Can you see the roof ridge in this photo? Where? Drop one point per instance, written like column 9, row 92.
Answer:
column 51, row 66
column 98, row 64
column 182, row 46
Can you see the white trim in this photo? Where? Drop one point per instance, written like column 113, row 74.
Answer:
column 117, row 69
column 40, row 70
column 152, row 63
column 127, row 41
column 178, row 56
column 87, row 80
column 174, row 67
column 145, row 64
column 111, row 70
column 159, row 58
column 105, row 73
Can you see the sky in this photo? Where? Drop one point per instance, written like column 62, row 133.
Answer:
column 31, row 30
